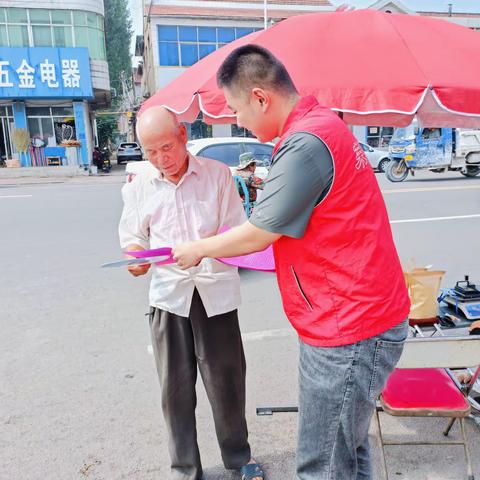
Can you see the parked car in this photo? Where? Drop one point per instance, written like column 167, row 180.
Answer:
column 378, row 158
column 224, row 149
column 129, row 151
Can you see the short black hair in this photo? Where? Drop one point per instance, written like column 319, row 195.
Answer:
column 253, row 66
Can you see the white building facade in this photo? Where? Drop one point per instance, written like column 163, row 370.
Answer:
column 178, row 33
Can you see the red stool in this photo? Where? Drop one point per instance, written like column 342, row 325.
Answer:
column 424, row 392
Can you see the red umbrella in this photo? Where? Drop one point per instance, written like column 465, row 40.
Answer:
column 376, row 68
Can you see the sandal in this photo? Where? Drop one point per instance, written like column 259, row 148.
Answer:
column 252, row 470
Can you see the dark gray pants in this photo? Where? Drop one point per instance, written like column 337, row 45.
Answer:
column 215, row 345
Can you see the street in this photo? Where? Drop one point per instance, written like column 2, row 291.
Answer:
column 79, row 395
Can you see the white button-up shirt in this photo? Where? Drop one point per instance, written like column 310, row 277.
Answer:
column 158, row 213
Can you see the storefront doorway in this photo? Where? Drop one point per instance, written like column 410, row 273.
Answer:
column 6, row 127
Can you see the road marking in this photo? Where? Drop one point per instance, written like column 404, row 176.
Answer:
column 430, row 189
column 434, row 219
column 263, row 334
column 15, row 196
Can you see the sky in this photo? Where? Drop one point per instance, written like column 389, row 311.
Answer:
column 426, row 5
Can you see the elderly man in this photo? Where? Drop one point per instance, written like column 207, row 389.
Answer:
column 193, row 315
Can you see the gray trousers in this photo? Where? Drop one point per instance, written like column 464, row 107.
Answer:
column 338, row 390
column 214, row 345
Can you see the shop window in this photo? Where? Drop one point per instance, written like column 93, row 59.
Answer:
column 18, row 35
column 51, row 125
column 34, row 127
column 16, row 15
column 81, row 37
column 91, row 20
column 62, row 111
column 62, row 37
column 47, row 131
column 38, row 111
column 3, row 36
column 42, row 36
column 38, row 15
column 62, row 17
column 79, row 18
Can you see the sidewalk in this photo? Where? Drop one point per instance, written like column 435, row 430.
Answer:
column 49, row 175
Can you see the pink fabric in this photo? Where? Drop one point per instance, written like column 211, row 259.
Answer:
column 156, row 252
column 261, row 261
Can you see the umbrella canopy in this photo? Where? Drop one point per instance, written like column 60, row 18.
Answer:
column 376, row 68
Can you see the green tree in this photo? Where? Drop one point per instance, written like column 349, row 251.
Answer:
column 118, row 36
column 106, row 128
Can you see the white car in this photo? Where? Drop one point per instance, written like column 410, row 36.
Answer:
column 224, row 149
column 129, row 151
column 378, row 158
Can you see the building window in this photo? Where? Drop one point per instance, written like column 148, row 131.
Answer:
column 241, row 132
column 182, row 46
column 379, row 136
column 52, row 125
column 38, row 27
column 199, row 129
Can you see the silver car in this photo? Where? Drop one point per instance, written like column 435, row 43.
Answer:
column 378, row 158
column 128, row 152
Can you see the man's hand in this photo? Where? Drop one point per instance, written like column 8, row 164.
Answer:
column 187, row 255
column 137, row 270
column 238, row 241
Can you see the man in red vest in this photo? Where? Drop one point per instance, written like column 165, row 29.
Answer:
column 338, row 271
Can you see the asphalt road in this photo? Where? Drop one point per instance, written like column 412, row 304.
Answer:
column 79, row 396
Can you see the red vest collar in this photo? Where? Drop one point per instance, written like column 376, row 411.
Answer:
column 302, row 107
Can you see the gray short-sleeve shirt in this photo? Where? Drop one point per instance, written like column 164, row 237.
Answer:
column 300, row 177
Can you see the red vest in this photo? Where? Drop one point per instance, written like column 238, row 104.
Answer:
column 342, row 282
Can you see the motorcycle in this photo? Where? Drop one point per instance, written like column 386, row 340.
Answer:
column 101, row 159
column 105, row 164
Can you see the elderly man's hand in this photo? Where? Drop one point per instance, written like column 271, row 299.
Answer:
column 187, row 255
column 137, row 270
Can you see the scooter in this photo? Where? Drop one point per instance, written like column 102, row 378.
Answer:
column 105, row 164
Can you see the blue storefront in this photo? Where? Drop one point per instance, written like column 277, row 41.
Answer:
column 45, row 117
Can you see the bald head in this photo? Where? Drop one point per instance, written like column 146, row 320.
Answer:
column 164, row 141
column 155, row 121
